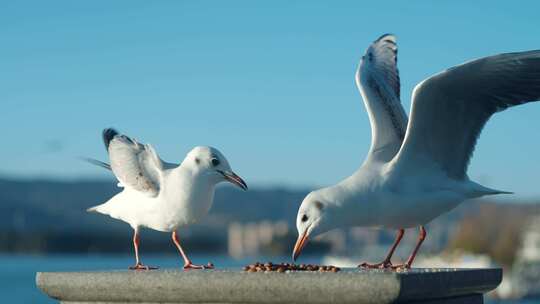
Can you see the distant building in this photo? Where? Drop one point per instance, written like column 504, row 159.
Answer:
column 524, row 279
column 249, row 239
column 530, row 250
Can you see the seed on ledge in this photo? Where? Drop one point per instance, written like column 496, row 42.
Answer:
column 287, row 267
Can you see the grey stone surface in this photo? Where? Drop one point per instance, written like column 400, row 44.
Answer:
column 235, row 286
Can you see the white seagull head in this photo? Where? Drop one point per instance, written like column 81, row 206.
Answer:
column 209, row 162
column 314, row 217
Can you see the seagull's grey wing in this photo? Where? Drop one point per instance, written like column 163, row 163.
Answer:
column 135, row 165
column 450, row 109
column 377, row 78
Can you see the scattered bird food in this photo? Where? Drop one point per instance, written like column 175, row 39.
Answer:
column 283, row 267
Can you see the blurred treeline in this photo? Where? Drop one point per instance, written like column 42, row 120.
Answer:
column 50, row 216
column 41, row 216
column 496, row 230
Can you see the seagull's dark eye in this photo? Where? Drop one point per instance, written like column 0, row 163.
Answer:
column 304, row 218
column 215, row 162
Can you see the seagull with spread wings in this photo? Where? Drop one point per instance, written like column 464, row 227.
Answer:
column 160, row 195
column 416, row 170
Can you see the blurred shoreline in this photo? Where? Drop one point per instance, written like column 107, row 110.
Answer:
column 48, row 216
column 45, row 220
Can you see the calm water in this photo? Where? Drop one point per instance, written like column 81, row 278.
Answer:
column 17, row 273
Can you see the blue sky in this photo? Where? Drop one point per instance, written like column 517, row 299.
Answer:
column 270, row 84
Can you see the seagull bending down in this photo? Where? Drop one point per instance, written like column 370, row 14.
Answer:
column 417, row 170
column 160, row 195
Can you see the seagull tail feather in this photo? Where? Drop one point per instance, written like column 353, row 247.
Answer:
column 479, row 190
column 92, row 209
column 494, row 192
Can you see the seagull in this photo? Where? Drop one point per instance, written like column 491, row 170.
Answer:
column 416, row 170
column 160, row 195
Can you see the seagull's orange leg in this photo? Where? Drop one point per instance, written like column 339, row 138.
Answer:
column 187, row 261
column 410, row 260
column 138, row 264
column 387, row 263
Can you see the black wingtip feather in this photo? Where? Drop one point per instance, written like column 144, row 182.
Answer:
column 384, row 36
column 108, row 135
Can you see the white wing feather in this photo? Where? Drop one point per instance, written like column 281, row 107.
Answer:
column 450, row 109
column 377, row 78
column 135, row 165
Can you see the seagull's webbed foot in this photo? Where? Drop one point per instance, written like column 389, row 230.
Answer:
column 187, row 262
column 401, row 266
column 386, row 264
column 190, row 265
column 140, row 266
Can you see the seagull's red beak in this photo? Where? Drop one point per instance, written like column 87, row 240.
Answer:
column 300, row 244
column 235, row 179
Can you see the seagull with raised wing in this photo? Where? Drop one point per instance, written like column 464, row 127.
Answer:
column 160, row 195
column 417, row 170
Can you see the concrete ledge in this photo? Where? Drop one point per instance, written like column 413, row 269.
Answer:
column 229, row 286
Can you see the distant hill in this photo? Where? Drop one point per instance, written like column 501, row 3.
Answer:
column 60, row 206
column 50, row 216
column 44, row 215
